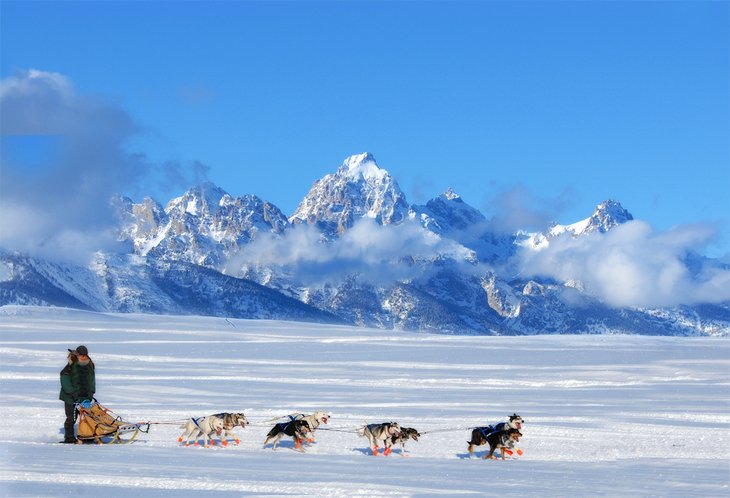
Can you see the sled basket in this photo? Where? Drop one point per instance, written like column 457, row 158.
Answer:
column 101, row 424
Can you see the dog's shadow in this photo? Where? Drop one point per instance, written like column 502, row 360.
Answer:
column 478, row 455
column 394, row 452
column 283, row 444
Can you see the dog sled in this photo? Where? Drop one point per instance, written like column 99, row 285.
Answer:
column 100, row 424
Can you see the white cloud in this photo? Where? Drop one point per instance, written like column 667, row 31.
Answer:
column 60, row 206
column 376, row 253
column 631, row 265
column 36, row 103
column 518, row 208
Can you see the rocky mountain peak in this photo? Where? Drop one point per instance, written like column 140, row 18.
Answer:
column 447, row 213
column 607, row 215
column 359, row 189
column 201, row 200
column 450, row 195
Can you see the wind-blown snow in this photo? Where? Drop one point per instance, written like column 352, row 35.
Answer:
column 605, row 415
column 363, row 166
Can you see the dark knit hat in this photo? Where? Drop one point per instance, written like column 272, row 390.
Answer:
column 81, row 350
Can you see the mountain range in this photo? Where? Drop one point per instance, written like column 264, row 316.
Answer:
column 354, row 251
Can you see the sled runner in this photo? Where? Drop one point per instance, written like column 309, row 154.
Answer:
column 100, row 424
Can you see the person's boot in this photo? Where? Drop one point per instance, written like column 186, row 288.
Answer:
column 70, row 440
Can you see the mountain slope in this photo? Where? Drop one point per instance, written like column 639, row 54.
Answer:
column 204, row 226
column 131, row 284
column 353, row 251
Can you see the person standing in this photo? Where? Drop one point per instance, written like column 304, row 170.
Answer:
column 78, row 383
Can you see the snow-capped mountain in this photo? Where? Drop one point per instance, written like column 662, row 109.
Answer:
column 359, row 189
column 607, row 215
column 203, row 226
column 435, row 267
column 132, row 284
column 450, row 216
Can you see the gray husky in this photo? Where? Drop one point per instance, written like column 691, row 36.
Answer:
column 380, row 433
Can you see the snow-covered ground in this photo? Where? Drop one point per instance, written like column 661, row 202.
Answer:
column 605, row 415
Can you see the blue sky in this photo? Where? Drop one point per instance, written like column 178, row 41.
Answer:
column 563, row 104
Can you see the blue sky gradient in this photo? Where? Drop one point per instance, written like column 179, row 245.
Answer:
column 565, row 104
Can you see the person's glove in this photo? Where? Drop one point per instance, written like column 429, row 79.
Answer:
column 85, row 403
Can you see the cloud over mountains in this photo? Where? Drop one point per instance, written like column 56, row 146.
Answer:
column 62, row 204
column 59, row 206
column 632, row 265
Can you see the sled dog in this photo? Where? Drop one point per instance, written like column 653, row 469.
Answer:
column 380, row 433
column 204, row 426
column 479, row 435
column 297, row 429
column 314, row 420
column 231, row 420
column 405, row 435
column 503, row 440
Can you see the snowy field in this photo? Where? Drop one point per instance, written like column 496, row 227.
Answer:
column 605, row 415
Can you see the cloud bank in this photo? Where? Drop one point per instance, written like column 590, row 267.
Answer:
column 633, row 266
column 374, row 252
column 64, row 157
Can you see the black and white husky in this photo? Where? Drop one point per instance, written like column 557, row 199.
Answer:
column 314, row 420
column 297, row 429
column 479, row 435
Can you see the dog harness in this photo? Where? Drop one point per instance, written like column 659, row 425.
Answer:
column 283, row 425
column 486, row 431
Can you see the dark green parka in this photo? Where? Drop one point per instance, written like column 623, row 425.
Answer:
column 78, row 382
